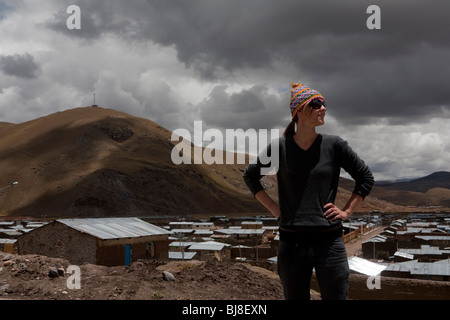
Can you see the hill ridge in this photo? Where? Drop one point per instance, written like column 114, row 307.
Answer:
column 93, row 161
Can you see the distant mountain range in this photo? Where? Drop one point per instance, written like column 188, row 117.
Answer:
column 91, row 162
column 439, row 179
column 431, row 190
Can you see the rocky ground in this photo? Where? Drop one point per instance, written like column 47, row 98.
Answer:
column 36, row 277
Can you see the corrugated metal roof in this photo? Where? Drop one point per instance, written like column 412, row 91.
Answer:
column 181, row 255
column 376, row 239
column 443, row 261
column 203, row 232
column 208, row 245
column 181, row 243
column 4, row 241
column 425, row 249
column 432, row 269
column 180, row 223
column 182, row 231
column 114, row 228
column 427, row 238
column 365, row 266
column 398, row 267
column 439, row 268
column 241, row 231
column 403, row 255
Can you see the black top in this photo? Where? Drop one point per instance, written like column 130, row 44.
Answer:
column 308, row 179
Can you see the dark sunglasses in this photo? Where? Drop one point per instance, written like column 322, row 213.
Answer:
column 317, row 104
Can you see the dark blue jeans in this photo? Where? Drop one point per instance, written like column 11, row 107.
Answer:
column 298, row 256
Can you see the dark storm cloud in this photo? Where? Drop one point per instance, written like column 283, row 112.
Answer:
column 215, row 34
column 254, row 108
column 22, row 66
column 96, row 19
column 399, row 72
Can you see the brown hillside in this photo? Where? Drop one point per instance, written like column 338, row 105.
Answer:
column 94, row 162
column 100, row 162
column 372, row 202
column 434, row 197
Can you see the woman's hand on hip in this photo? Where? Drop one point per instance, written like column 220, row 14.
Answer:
column 334, row 213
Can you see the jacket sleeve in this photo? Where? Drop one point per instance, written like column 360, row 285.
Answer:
column 357, row 169
column 253, row 174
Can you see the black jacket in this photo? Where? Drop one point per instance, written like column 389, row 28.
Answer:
column 308, row 179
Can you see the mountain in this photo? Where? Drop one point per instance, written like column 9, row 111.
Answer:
column 431, row 190
column 93, row 162
column 439, row 179
column 100, row 162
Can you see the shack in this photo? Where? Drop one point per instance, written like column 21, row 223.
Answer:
column 102, row 241
column 210, row 250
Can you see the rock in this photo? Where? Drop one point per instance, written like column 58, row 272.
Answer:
column 7, row 257
column 61, row 272
column 53, row 272
column 4, row 287
column 8, row 263
column 168, row 276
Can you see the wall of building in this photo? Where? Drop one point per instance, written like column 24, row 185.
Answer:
column 57, row 240
column 112, row 252
column 252, row 253
column 394, row 289
column 8, row 247
column 389, row 247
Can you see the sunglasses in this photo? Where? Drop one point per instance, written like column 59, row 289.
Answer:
column 317, row 104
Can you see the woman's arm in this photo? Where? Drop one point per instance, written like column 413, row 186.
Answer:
column 268, row 203
column 335, row 213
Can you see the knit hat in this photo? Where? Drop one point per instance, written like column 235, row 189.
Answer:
column 301, row 95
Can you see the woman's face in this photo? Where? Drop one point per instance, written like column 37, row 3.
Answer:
column 314, row 116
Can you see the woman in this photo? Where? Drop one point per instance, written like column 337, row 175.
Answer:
column 310, row 224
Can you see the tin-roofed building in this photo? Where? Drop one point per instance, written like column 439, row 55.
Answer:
column 211, row 250
column 103, row 241
column 364, row 266
column 440, row 241
column 377, row 245
column 8, row 245
column 438, row 270
column 245, row 236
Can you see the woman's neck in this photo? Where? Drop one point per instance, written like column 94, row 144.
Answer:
column 305, row 137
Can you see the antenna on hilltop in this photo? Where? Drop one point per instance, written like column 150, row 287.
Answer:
column 94, row 105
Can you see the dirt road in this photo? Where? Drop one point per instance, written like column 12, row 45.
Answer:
column 354, row 247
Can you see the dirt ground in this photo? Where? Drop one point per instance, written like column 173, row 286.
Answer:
column 27, row 277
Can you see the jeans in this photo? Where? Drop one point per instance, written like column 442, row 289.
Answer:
column 328, row 257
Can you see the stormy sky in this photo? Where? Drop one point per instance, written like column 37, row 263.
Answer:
column 229, row 63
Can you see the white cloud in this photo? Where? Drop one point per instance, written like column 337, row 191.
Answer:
column 402, row 151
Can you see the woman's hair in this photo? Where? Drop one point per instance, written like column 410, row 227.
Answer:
column 290, row 129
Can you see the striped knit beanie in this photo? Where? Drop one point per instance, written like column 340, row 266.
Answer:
column 301, row 95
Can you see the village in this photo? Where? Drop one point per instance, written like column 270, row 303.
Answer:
column 416, row 246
